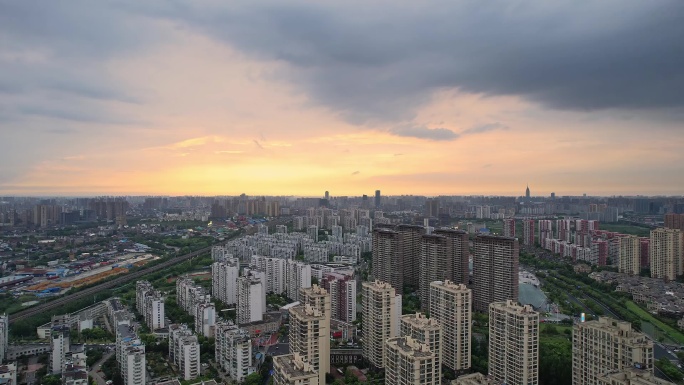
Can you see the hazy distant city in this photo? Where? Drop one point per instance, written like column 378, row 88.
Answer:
column 351, row 289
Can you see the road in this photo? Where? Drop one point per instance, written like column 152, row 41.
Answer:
column 94, row 371
column 282, row 347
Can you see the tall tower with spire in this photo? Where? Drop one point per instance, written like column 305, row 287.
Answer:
column 527, row 193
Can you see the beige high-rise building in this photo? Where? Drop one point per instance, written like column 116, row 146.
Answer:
column 450, row 305
column 495, row 270
column 607, row 345
column 629, row 258
column 631, row 376
column 426, row 331
column 458, row 250
column 408, row 362
column 310, row 329
column 310, row 338
column 381, row 309
column 513, row 343
column 293, row 369
column 387, row 266
column 665, row 252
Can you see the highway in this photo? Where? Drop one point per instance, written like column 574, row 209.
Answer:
column 47, row 306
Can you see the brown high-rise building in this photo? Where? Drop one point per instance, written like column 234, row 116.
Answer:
column 435, row 265
column 387, row 266
column 674, row 221
column 495, row 270
column 458, row 249
column 410, row 238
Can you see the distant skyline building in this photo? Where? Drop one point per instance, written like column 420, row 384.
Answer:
column 495, row 270
column 509, row 227
column 513, row 343
column 377, row 199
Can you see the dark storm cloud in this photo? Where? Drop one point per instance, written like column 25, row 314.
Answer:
column 380, row 61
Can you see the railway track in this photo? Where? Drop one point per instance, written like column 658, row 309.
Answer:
column 44, row 307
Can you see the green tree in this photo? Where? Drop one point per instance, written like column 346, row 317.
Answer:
column 253, row 379
column 555, row 361
column 51, row 380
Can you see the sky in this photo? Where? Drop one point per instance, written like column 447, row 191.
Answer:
column 298, row 97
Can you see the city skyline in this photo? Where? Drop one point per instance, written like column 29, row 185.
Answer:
column 438, row 98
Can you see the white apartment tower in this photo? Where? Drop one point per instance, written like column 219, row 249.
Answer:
column 381, row 309
column 298, row 276
column 513, row 343
column 224, row 276
column 275, row 271
column 233, row 351
column 450, row 305
column 4, row 335
column 605, row 345
column 184, row 351
column 426, row 331
column 409, row 362
column 250, row 300
column 205, row 319
column 60, row 345
column 666, row 251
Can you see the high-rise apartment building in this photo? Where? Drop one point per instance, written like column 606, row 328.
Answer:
column 60, row 346
column 666, row 253
column 205, row 319
column 674, row 221
column 4, row 336
column 495, row 270
column 513, row 343
column 298, row 277
column 450, row 305
column 545, row 230
column 528, row 232
column 150, row 304
column 606, row 345
column 381, row 309
column 459, row 254
column 377, row 199
column 509, row 227
column 563, row 229
column 224, row 275
column 435, row 265
column 387, row 266
column 410, row 242
column 233, row 351
column 629, row 256
column 293, row 369
column 318, row 353
column 250, row 300
column 426, row 331
column 408, row 362
column 342, row 289
column 310, row 338
column 184, row 351
column 130, row 354
column 275, row 270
